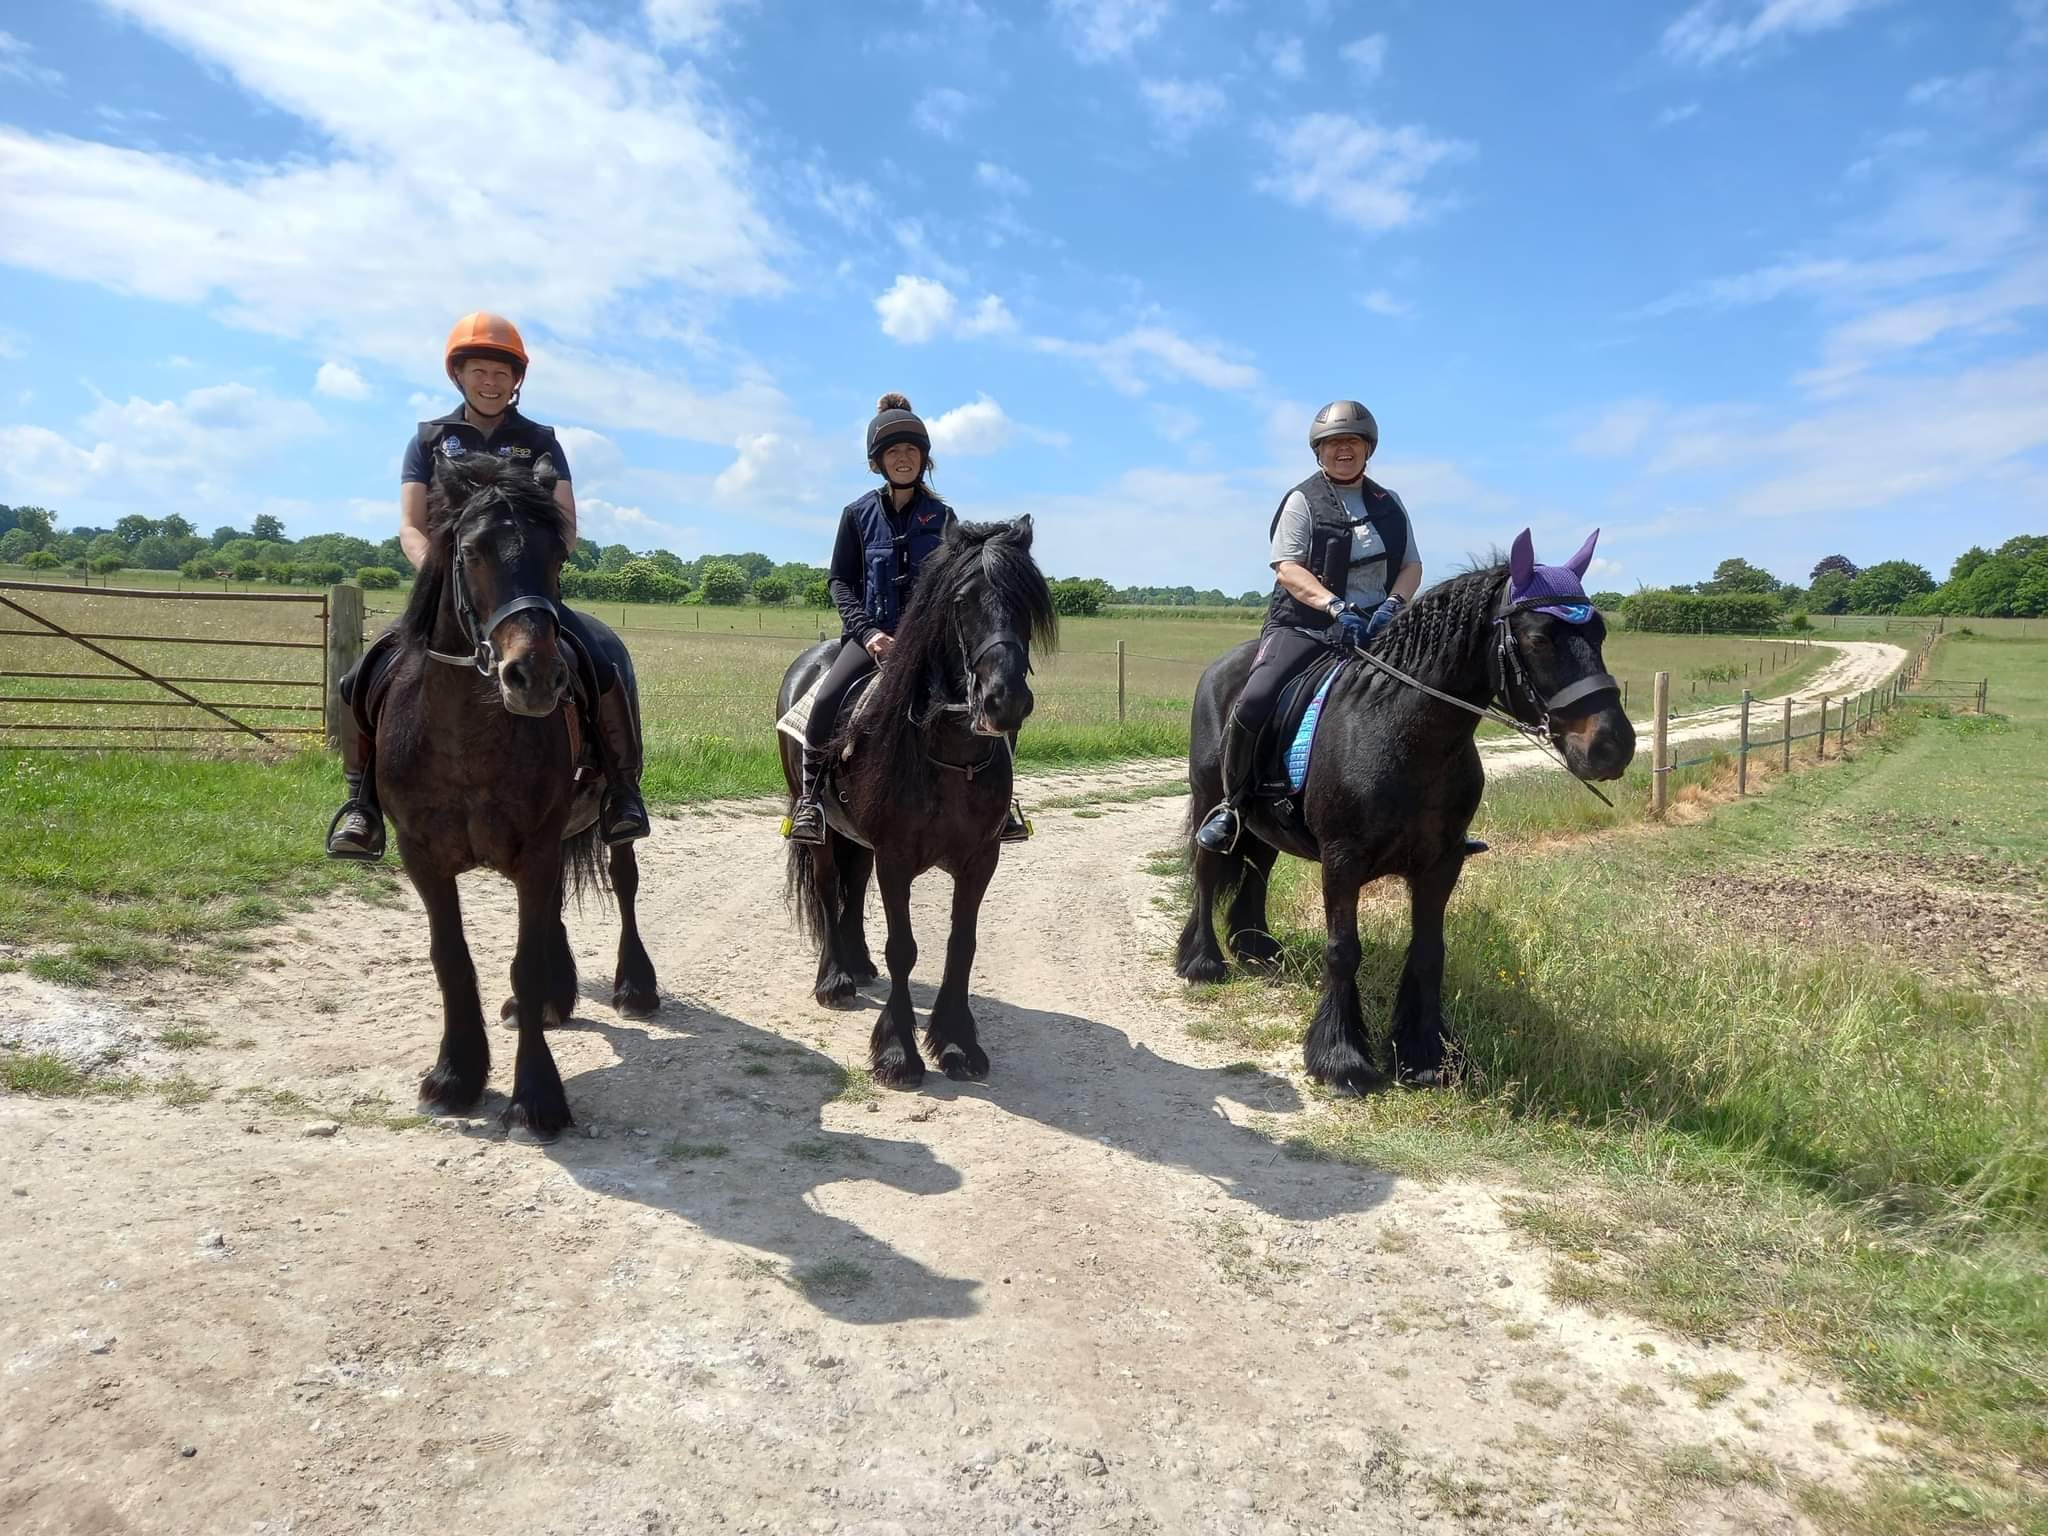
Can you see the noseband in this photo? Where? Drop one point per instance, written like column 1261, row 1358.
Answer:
column 1509, row 678
column 483, row 655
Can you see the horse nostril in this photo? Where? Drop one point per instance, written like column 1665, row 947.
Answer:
column 516, row 675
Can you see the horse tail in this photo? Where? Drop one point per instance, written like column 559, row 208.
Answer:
column 583, row 864
column 804, row 888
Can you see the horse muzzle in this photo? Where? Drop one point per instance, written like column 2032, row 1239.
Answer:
column 1000, row 711
column 533, row 685
column 1598, row 746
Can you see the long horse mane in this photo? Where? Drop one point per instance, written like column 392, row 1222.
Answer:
column 486, row 477
column 1444, row 631
column 892, row 744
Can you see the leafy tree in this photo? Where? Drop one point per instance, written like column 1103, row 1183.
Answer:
column 158, row 553
column 1608, row 602
column 105, row 544
column 246, row 570
column 771, row 591
column 106, row 565
column 225, row 535
column 642, row 581
column 39, row 521
column 818, row 593
column 16, row 545
column 391, row 553
column 1882, row 587
column 613, row 556
column 68, row 548
column 200, row 568
column 751, row 566
column 175, row 527
column 584, row 555
column 1081, row 596
column 724, row 583
column 336, row 548
column 41, row 560
column 134, row 528
column 267, row 527
column 372, row 577
column 1841, row 564
column 1739, row 576
column 1829, row 593
column 666, row 560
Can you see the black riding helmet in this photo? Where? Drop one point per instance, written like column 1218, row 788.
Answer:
column 895, row 422
column 1344, row 418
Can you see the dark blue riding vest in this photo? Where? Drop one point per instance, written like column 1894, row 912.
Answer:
column 1329, row 549
column 894, row 550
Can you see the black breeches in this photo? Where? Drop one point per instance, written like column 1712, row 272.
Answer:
column 1282, row 654
column 852, row 663
column 606, row 651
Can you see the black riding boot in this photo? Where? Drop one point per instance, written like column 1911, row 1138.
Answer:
column 1218, row 833
column 357, row 831
column 807, row 816
column 1015, row 828
column 623, row 815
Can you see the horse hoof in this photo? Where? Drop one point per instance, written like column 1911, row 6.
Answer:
column 535, row 1123
column 636, row 1002
column 1256, row 951
column 835, row 991
column 863, row 972
column 1198, row 971
column 1346, row 1072
column 896, row 1068
column 511, row 1007
column 1425, row 1077
column 964, row 1065
column 443, row 1092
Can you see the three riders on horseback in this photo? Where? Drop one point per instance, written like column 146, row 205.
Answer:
column 486, row 360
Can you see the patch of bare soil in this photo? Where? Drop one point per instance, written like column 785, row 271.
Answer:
column 1951, row 914
column 748, row 1293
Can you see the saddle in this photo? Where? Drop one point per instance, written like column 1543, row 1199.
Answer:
column 364, row 692
column 1281, row 762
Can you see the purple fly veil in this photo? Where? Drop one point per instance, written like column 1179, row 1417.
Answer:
column 1529, row 582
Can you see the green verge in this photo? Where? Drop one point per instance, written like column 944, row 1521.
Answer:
column 1738, row 1130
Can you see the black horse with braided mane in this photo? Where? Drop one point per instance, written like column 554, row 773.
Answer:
column 476, row 765
column 920, row 777
column 1392, row 784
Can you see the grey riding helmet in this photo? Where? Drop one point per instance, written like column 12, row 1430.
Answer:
column 1344, row 418
column 896, row 425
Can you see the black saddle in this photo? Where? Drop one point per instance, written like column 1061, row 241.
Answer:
column 1296, row 694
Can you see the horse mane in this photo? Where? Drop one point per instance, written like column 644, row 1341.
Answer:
column 1444, row 631
column 892, row 745
column 486, row 476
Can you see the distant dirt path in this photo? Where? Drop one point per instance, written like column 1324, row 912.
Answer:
column 1089, row 1296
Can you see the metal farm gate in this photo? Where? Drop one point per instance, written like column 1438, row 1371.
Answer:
column 171, row 671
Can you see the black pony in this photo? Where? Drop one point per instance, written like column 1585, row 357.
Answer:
column 474, row 767
column 921, row 776
column 1392, row 785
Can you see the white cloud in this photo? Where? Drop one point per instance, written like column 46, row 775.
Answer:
column 1175, row 423
column 1988, row 309
column 175, row 452
column 1960, row 93
column 16, row 64
column 848, row 203
column 286, row 247
column 1283, row 56
column 919, row 309
column 1179, row 107
column 1001, row 181
column 1677, row 114
column 1620, row 430
column 915, row 309
column 991, row 317
column 940, row 111
column 1361, row 173
column 1148, row 352
column 1706, row 35
column 1381, row 302
column 1105, row 29
column 592, row 455
column 340, row 381
column 761, row 454
column 606, row 522
column 975, row 428
column 1368, row 55
column 686, row 23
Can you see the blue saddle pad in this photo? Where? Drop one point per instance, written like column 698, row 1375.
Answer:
column 1305, row 734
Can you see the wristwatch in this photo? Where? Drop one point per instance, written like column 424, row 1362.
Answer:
column 1334, row 606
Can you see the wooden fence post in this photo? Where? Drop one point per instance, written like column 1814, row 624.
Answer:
column 1785, row 717
column 1983, row 694
column 1119, row 682
column 344, row 648
column 1742, row 754
column 1822, row 750
column 1660, row 750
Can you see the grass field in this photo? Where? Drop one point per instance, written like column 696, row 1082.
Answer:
column 1798, row 1138
column 708, row 678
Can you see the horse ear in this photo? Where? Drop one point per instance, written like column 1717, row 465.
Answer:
column 1522, row 559
column 1020, row 532
column 545, row 474
column 451, row 480
column 1578, row 563
column 952, row 534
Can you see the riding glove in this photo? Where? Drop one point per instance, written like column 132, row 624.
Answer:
column 1382, row 616
column 1356, row 627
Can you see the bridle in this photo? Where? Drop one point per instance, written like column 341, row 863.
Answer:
column 1510, row 683
column 969, row 660
column 483, row 655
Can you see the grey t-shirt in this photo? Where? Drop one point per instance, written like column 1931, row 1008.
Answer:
column 1369, row 579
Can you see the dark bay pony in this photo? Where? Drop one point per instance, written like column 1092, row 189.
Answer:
column 1392, row 785
column 926, row 784
column 474, row 768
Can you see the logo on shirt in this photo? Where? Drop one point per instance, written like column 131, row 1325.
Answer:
column 451, row 445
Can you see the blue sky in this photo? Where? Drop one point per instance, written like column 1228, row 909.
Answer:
column 1738, row 277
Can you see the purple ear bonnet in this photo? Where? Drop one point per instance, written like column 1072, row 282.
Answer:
column 1530, row 583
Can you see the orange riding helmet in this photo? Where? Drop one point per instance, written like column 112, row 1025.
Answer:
column 484, row 332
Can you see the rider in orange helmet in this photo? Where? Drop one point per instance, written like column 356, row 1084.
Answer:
column 485, row 359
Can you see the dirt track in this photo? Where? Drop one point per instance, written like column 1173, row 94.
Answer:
column 1090, row 1295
